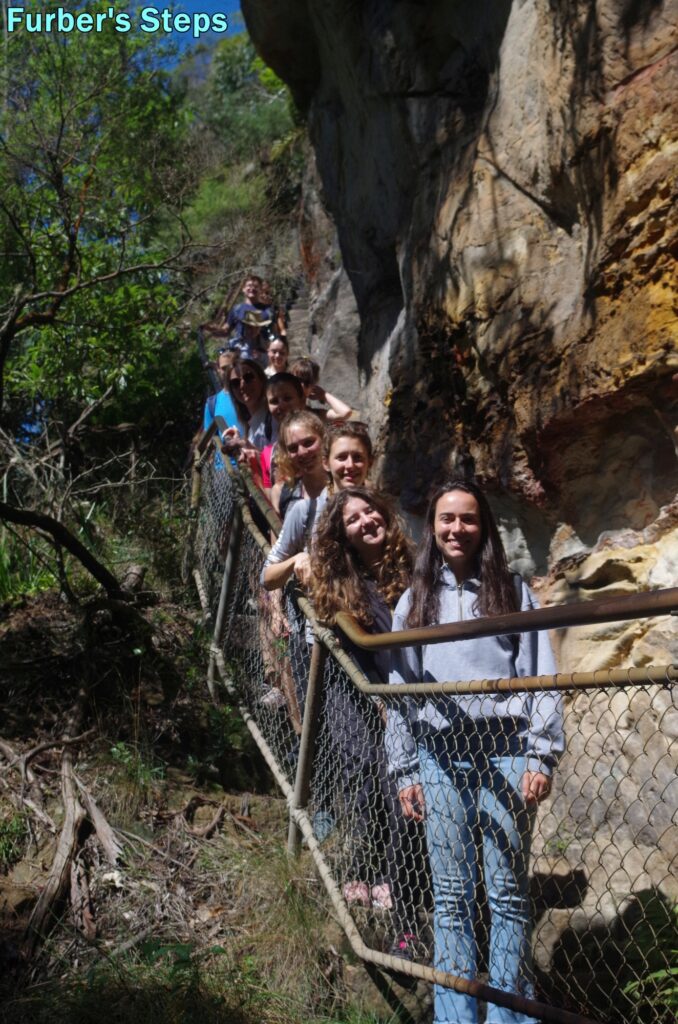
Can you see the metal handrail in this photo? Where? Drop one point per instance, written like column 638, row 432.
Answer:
column 656, row 602
column 583, row 613
column 218, row 423
column 580, row 613
column 614, row 609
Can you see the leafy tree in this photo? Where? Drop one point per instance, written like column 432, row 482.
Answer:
column 249, row 106
column 91, row 153
column 93, row 158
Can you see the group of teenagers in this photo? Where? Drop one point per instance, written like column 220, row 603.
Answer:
column 468, row 770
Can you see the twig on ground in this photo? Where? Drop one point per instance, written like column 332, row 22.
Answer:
column 67, row 844
column 105, row 834
column 156, row 849
column 22, row 760
column 206, row 831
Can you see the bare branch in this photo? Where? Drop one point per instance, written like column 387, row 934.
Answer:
column 63, row 536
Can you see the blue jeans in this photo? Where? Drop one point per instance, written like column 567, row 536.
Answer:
column 473, row 790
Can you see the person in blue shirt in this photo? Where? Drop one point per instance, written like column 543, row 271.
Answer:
column 221, row 404
column 473, row 767
column 235, row 320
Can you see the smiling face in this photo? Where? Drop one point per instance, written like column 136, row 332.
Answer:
column 348, row 462
column 458, row 531
column 277, row 356
column 247, row 387
column 250, row 289
column 365, row 529
column 282, row 398
column 304, row 449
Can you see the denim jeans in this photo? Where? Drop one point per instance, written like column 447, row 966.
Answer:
column 472, row 791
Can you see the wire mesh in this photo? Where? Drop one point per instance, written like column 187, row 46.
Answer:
column 215, row 517
column 264, row 657
column 574, row 904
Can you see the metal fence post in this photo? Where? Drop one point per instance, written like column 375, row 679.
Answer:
column 309, row 732
column 226, row 589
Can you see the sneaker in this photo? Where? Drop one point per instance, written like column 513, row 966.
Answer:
column 407, row 947
column 381, row 897
column 273, row 699
column 323, row 825
column 357, row 893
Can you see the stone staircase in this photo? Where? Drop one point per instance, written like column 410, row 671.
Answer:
column 299, row 327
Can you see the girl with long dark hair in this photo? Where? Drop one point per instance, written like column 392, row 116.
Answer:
column 473, row 767
column 247, row 386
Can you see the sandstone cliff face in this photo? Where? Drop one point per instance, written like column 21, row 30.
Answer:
column 502, row 177
column 503, row 183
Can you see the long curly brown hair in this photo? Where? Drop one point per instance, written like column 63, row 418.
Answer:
column 339, row 577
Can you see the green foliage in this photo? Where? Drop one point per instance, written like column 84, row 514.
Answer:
column 23, row 569
column 92, row 144
column 650, row 958
column 170, row 983
column 222, row 197
column 249, row 106
column 140, row 771
column 12, row 839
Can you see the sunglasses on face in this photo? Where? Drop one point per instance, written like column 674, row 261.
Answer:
column 247, row 378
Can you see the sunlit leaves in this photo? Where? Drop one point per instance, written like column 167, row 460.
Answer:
column 92, row 156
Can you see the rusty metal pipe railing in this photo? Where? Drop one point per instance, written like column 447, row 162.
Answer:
column 583, row 613
column 598, row 679
column 218, row 423
column 271, row 516
column 254, row 529
column 309, row 733
column 660, row 602
column 550, row 1014
column 226, row 590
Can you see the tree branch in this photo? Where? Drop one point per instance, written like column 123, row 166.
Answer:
column 63, row 536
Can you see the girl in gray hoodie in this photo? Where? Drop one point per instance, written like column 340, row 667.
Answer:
column 473, row 766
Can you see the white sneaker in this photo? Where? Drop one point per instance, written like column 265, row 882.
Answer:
column 273, row 700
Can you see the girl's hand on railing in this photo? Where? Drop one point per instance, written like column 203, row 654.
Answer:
column 249, row 456
column 231, row 441
column 536, row 787
column 302, row 568
column 412, row 802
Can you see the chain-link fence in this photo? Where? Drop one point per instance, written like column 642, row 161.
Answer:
column 567, row 910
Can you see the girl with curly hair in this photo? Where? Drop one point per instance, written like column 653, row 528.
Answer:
column 347, row 458
column 361, row 561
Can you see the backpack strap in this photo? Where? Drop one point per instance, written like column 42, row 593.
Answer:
column 310, row 518
column 518, row 588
